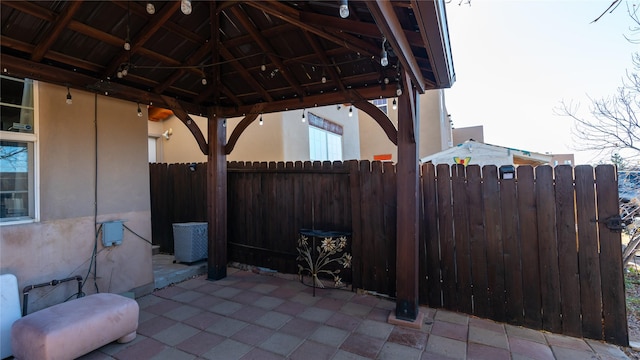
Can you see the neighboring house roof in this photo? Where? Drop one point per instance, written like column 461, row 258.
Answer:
column 478, row 153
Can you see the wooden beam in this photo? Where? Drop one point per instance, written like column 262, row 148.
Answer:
column 359, row 28
column 214, row 29
column 408, row 190
column 381, row 118
column 245, row 74
column 333, row 74
column 145, row 34
column 217, row 198
column 387, row 20
column 58, row 26
column 267, row 49
column 191, row 61
column 311, row 101
column 182, row 114
column 292, row 16
column 242, row 126
column 19, row 67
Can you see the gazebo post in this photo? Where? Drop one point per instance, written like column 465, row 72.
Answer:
column 217, row 197
column 408, row 185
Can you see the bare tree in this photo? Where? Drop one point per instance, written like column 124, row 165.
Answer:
column 611, row 128
column 612, row 125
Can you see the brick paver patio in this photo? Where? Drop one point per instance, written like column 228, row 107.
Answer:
column 256, row 316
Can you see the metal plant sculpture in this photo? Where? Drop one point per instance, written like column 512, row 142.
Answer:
column 331, row 250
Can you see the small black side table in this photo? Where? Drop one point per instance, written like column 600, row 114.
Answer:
column 332, row 249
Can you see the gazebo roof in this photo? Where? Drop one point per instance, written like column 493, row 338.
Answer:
column 275, row 55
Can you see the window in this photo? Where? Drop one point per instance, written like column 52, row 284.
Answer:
column 18, row 197
column 325, row 139
column 381, row 104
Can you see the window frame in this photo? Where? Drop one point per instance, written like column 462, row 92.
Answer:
column 384, row 107
column 34, row 179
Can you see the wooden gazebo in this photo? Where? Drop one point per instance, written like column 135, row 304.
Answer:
column 225, row 59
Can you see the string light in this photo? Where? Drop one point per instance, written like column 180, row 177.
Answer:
column 151, row 9
column 127, row 41
column 351, row 111
column 139, row 111
column 303, row 118
column 399, row 90
column 69, row 99
column 384, row 60
column 261, row 122
column 344, row 9
column 395, row 104
column 204, row 80
column 185, row 7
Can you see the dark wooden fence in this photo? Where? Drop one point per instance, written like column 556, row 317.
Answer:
column 535, row 251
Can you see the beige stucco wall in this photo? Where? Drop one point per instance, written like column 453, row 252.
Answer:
column 282, row 137
column 61, row 244
column 435, row 130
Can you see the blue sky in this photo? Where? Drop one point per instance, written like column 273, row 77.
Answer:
column 515, row 61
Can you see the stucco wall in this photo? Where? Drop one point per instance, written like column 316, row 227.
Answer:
column 282, row 137
column 435, row 131
column 61, row 244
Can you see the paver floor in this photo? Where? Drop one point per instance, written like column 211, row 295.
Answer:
column 257, row 316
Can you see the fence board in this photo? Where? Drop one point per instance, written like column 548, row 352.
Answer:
column 613, row 304
column 367, row 255
column 461, row 239
column 477, row 242
column 512, row 254
column 529, row 246
column 378, row 245
column 356, row 224
column 590, row 281
column 390, row 220
column 569, row 274
column 447, row 245
column 548, row 250
column 493, row 231
column 431, row 238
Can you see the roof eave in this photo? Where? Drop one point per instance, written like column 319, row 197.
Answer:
column 432, row 21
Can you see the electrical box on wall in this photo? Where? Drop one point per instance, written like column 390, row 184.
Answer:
column 112, row 233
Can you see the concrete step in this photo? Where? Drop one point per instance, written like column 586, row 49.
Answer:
column 166, row 271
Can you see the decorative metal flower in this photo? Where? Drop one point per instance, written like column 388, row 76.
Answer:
column 331, row 250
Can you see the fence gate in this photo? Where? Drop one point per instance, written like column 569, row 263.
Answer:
column 542, row 250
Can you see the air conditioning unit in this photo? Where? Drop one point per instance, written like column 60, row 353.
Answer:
column 190, row 241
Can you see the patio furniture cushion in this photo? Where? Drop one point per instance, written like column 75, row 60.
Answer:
column 74, row 328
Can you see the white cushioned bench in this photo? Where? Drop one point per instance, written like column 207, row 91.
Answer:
column 74, row 328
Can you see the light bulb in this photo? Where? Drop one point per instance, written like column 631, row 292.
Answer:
column 324, row 79
column 303, row 118
column 386, row 80
column 395, row 104
column 125, row 72
column 127, row 45
column 151, row 9
column 344, row 9
column 185, row 7
column 351, row 111
column 263, row 67
column 261, row 122
column 204, row 81
column 399, row 90
column 384, row 61
column 139, row 111
column 119, row 74
column 69, row 100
